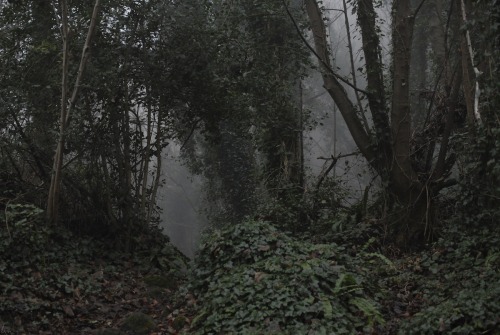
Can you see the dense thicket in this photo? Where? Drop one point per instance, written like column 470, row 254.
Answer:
column 138, row 91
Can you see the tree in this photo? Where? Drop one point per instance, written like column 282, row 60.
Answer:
column 67, row 108
column 480, row 159
column 389, row 151
column 250, row 114
column 28, row 101
column 123, row 113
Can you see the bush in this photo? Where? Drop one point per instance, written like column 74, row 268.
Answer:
column 250, row 278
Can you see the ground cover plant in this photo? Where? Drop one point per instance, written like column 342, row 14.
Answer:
column 249, row 279
column 55, row 282
column 457, row 283
column 252, row 278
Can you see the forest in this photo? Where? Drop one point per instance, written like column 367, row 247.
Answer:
column 344, row 156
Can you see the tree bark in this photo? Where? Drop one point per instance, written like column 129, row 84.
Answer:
column 467, row 85
column 374, row 75
column 159, row 159
column 402, row 174
column 469, row 72
column 353, row 68
column 146, row 157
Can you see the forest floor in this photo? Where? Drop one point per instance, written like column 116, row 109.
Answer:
column 58, row 283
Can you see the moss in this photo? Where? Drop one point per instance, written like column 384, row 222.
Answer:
column 161, row 281
column 138, row 323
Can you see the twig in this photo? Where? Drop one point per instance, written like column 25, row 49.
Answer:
column 332, row 164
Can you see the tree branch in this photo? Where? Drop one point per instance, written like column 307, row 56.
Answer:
column 335, row 88
column 83, row 61
column 191, row 132
column 320, row 59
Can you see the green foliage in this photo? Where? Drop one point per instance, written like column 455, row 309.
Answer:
column 33, row 267
column 22, row 214
column 251, row 278
column 320, row 213
column 458, row 281
column 179, row 322
column 458, row 278
column 48, row 275
column 479, row 194
column 288, row 213
column 23, row 230
column 145, row 69
column 163, row 255
column 470, row 311
column 255, row 61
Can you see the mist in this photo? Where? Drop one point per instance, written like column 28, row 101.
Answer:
column 181, row 201
column 181, row 198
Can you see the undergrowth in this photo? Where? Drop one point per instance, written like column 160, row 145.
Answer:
column 458, row 281
column 253, row 279
column 54, row 281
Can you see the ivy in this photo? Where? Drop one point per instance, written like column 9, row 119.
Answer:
column 458, row 280
column 252, row 278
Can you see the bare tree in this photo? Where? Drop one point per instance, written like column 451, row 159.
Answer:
column 67, row 106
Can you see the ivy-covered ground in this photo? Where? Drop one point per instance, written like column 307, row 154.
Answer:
column 247, row 279
column 54, row 282
column 252, row 279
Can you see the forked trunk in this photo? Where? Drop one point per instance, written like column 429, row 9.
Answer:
column 389, row 153
column 409, row 194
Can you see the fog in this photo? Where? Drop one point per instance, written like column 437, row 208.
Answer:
column 181, row 203
column 181, row 197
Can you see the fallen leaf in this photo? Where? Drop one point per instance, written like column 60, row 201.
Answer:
column 68, row 311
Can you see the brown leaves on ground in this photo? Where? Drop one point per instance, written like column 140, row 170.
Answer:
column 92, row 296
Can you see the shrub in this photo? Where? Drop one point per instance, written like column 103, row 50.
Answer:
column 250, row 278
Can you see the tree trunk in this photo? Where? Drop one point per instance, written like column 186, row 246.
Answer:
column 55, row 182
column 374, row 76
column 66, row 109
column 404, row 185
column 159, row 158
column 353, row 68
column 335, row 89
column 146, row 157
column 469, row 73
column 402, row 175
